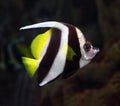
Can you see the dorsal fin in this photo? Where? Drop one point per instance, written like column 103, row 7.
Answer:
column 52, row 24
column 38, row 44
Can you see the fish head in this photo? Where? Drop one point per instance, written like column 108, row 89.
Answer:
column 88, row 52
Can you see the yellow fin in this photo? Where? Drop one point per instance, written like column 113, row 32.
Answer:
column 38, row 43
column 24, row 50
column 70, row 53
column 31, row 65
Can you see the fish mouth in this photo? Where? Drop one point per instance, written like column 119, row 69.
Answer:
column 96, row 50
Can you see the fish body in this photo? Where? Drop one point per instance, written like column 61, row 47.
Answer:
column 61, row 49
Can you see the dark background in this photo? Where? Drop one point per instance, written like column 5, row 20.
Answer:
column 97, row 84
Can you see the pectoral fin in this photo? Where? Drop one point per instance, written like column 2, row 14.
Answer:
column 71, row 53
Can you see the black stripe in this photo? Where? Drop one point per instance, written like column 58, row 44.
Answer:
column 73, row 42
column 50, row 54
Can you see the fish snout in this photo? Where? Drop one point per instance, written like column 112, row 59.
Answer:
column 96, row 50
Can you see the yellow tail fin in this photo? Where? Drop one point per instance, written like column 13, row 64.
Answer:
column 31, row 65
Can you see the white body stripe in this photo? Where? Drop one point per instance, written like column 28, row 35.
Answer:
column 83, row 62
column 82, row 41
column 59, row 61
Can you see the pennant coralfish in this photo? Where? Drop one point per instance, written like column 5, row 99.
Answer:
column 61, row 49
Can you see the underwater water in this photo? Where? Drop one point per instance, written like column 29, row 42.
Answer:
column 96, row 84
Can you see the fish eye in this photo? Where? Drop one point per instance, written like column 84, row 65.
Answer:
column 87, row 47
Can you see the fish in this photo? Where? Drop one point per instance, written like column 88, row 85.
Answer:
column 61, row 50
